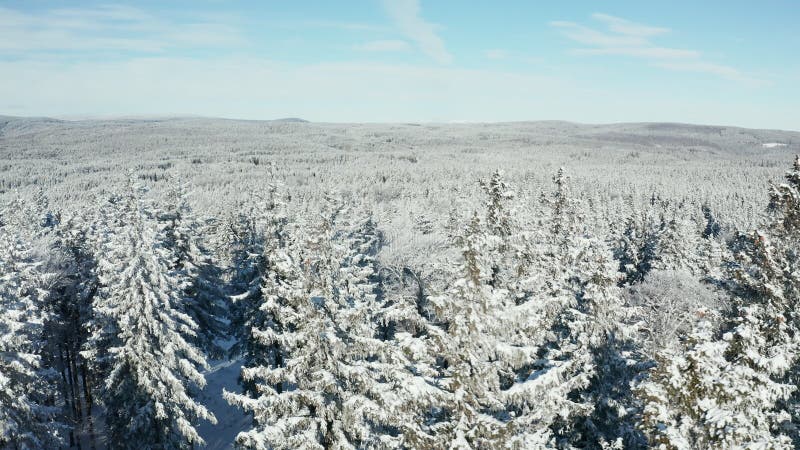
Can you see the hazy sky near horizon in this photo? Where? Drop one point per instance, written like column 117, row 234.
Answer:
column 716, row 62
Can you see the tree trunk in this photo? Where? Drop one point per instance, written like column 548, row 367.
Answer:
column 87, row 395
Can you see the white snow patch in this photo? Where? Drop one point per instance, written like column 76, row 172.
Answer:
column 773, row 144
column 230, row 419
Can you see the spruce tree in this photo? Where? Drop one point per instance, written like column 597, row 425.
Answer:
column 323, row 392
column 141, row 335
column 701, row 397
column 735, row 388
column 200, row 278
column 70, row 283
column 28, row 418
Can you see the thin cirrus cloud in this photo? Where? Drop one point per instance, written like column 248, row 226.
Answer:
column 107, row 28
column 496, row 54
column 628, row 28
column 710, row 68
column 641, row 52
column 395, row 45
column 407, row 19
column 626, row 38
column 326, row 24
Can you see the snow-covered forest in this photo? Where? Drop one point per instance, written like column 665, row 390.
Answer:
column 196, row 283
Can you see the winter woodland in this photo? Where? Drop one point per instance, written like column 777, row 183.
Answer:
column 175, row 284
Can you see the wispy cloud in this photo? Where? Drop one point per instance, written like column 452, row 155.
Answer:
column 496, row 54
column 626, row 38
column 108, row 28
column 406, row 17
column 628, row 28
column 641, row 52
column 501, row 54
column 384, row 46
column 319, row 91
column 328, row 24
column 709, row 68
column 589, row 36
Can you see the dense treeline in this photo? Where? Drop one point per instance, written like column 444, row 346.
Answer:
column 549, row 322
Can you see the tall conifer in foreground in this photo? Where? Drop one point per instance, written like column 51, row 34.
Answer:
column 27, row 418
column 141, row 334
column 320, row 389
column 200, row 278
column 735, row 390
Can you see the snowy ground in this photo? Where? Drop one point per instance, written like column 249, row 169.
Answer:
column 230, row 420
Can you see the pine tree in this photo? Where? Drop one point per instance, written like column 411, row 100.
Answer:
column 585, row 358
column 712, row 226
column 276, row 274
column 141, row 334
column 769, row 270
column 472, row 382
column 247, row 234
column 275, row 398
column 410, row 363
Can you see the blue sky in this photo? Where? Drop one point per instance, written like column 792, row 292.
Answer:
column 716, row 62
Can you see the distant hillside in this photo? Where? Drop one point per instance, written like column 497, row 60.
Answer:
column 676, row 138
column 291, row 120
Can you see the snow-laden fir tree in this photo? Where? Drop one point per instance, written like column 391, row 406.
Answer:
column 472, row 382
column 141, row 335
column 245, row 235
column 589, row 337
column 499, row 196
column 678, row 245
column 780, row 265
column 390, row 336
column 68, row 277
column 696, row 397
column 637, row 248
column 245, row 266
column 280, row 418
column 412, row 344
column 712, row 228
column 323, row 393
column 736, row 391
column 541, row 391
column 766, row 286
column 600, row 323
column 260, row 313
column 519, row 366
column 200, row 277
column 28, row 418
column 482, row 351
column 500, row 228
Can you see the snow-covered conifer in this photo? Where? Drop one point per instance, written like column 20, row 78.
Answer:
column 697, row 397
column 199, row 276
column 600, row 325
column 323, row 391
column 678, row 246
column 141, row 334
column 741, row 385
column 69, row 282
column 636, row 249
column 28, row 418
